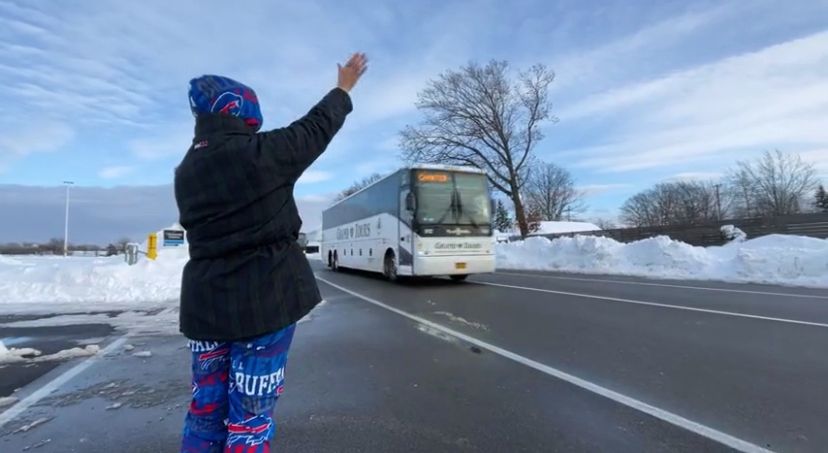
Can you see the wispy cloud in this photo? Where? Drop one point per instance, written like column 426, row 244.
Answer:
column 777, row 96
column 608, row 63
column 679, row 88
column 819, row 159
column 34, row 137
column 28, row 138
column 697, row 176
column 315, row 176
column 590, row 190
column 115, row 172
column 163, row 142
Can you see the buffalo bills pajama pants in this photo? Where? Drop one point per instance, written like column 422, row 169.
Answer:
column 235, row 388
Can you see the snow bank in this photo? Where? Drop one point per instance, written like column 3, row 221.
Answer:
column 51, row 284
column 40, row 284
column 15, row 355
column 777, row 259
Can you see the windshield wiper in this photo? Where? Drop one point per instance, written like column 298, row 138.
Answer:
column 460, row 211
column 452, row 208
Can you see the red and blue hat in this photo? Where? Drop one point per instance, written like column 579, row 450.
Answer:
column 225, row 96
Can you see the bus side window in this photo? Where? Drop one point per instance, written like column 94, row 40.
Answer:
column 360, row 252
column 370, row 252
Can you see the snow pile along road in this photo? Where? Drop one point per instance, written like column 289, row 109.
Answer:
column 39, row 284
column 777, row 259
column 16, row 355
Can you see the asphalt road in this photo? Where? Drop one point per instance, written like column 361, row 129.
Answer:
column 47, row 340
column 504, row 362
column 748, row 361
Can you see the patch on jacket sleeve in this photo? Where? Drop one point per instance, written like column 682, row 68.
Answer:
column 201, row 144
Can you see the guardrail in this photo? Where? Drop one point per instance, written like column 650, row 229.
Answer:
column 813, row 225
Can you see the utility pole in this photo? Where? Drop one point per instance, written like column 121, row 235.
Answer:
column 66, row 220
column 718, row 204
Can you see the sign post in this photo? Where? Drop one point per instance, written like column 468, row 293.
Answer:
column 173, row 238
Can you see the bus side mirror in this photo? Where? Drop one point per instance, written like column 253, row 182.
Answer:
column 492, row 207
column 410, row 202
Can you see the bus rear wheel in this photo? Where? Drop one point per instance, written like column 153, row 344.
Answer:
column 459, row 278
column 389, row 268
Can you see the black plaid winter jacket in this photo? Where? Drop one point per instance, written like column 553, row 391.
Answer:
column 246, row 275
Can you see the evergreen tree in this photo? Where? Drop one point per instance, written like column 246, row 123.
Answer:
column 821, row 201
column 502, row 222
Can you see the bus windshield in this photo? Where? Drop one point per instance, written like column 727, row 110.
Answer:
column 452, row 199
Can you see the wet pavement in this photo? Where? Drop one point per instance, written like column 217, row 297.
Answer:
column 378, row 377
column 359, row 379
column 47, row 340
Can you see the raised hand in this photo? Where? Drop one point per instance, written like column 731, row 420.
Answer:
column 350, row 73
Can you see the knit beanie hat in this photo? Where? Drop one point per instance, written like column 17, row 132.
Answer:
column 225, row 96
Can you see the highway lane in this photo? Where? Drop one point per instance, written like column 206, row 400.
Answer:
column 727, row 368
column 541, row 362
column 360, row 379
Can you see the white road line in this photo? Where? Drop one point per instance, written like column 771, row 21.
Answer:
column 661, row 414
column 666, row 285
column 656, row 304
column 14, row 411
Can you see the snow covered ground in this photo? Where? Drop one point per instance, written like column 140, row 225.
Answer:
column 40, row 284
column 51, row 285
column 777, row 259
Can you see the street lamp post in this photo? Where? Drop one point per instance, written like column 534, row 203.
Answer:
column 66, row 220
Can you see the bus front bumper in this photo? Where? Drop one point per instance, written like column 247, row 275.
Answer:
column 454, row 265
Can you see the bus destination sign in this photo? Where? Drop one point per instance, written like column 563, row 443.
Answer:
column 432, row 177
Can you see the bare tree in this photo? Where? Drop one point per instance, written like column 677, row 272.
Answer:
column 55, row 246
column 673, row 203
column 357, row 186
column 551, row 190
column 743, row 193
column 122, row 244
column 477, row 116
column 604, row 224
column 533, row 220
column 778, row 182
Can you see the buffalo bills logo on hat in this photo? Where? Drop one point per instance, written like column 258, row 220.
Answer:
column 213, row 94
column 228, row 103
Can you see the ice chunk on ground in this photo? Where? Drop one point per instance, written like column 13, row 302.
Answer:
column 11, row 355
column 72, row 353
column 143, row 354
column 30, row 426
column 732, row 233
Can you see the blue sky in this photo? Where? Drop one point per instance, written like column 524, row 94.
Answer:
column 645, row 90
